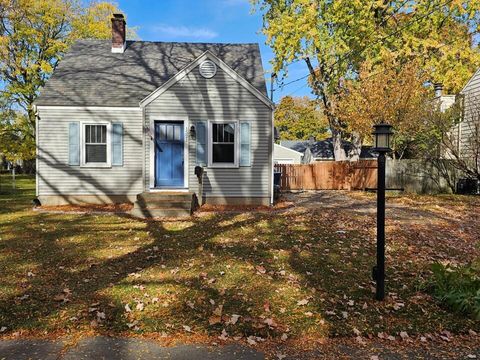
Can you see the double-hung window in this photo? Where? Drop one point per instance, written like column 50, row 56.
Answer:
column 223, row 144
column 96, row 147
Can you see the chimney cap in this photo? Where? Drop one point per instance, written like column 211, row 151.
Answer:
column 118, row 16
column 438, row 88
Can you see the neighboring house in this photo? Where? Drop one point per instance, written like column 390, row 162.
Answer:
column 284, row 155
column 468, row 130
column 123, row 118
column 322, row 150
column 446, row 101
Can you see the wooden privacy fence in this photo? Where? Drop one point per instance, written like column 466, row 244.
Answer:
column 328, row 175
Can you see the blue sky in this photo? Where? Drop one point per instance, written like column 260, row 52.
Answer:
column 228, row 21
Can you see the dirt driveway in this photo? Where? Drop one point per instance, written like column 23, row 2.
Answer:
column 442, row 228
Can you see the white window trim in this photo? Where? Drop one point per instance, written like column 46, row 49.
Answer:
column 151, row 135
column 83, row 163
column 236, row 146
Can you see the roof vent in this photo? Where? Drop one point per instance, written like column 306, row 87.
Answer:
column 208, row 69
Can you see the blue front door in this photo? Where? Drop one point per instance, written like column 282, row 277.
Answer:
column 169, row 137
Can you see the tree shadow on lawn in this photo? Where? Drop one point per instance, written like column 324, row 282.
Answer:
column 176, row 274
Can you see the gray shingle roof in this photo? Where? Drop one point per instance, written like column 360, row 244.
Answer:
column 324, row 149
column 91, row 75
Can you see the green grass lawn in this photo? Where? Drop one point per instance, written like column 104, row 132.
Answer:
column 302, row 273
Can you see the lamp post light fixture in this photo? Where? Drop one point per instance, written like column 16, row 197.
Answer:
column 382, row 144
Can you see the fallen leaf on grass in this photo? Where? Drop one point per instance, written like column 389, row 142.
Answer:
column 224, row 335
column 260, row 269
column 266, row 306
column 187, row 328
column 213, row 320
column 233, row 319
column 302, row 302
column 360, row 340
column 218, row 310
column 270, row 322
column 127, row 308
column 100, row 315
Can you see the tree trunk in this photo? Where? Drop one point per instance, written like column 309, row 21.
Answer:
column 356, row 149
column 338, row 149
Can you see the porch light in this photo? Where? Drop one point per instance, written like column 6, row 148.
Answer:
column 193, row 133
column 383, row 135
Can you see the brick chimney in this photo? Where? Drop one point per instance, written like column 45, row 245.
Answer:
column 118, row 33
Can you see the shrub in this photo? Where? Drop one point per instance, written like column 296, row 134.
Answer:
column 458, row 288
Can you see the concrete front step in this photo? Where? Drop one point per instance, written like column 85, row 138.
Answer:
column 152, row 204
column 163, row 204
column 170, row 195
column 159, row 212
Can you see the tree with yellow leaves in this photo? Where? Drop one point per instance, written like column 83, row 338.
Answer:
column 392, row 93
column 34, row 35
column 334, row 39
column 300, row 118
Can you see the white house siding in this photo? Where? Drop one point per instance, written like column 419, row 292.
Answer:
column 284, row 155
column 219, row 98
column 471, row 120
column 58, row 182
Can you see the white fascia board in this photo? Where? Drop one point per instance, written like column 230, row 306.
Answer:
column 286, row 148
column 51, row 107
column 186, row 70
column 477, row 73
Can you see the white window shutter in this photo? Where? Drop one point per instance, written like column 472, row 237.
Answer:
column 245, row 144
column 117, row 144
column 201, row 135
column 74, row 144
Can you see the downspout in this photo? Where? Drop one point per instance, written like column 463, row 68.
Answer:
column 144, row 163
column 37, row 152
column 272, row 181
column 271, row 156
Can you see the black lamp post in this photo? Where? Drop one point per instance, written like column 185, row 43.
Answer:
column 383, row 134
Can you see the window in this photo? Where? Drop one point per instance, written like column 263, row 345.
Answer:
column 223, row 149
column 95, row 144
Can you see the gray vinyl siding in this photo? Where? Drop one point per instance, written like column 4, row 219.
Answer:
column 219, row 98
column 56, row 177
column 471, row 119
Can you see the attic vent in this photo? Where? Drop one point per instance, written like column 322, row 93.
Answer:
column 208, row 69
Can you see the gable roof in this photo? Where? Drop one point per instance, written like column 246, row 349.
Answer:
column 185, row 71
column 324, row 149
column 288, row 149
column 477, row 73
column 91, row 75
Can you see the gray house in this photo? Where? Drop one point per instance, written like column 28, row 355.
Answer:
column 468, row 131
column 322, row 150
column 129, row 121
